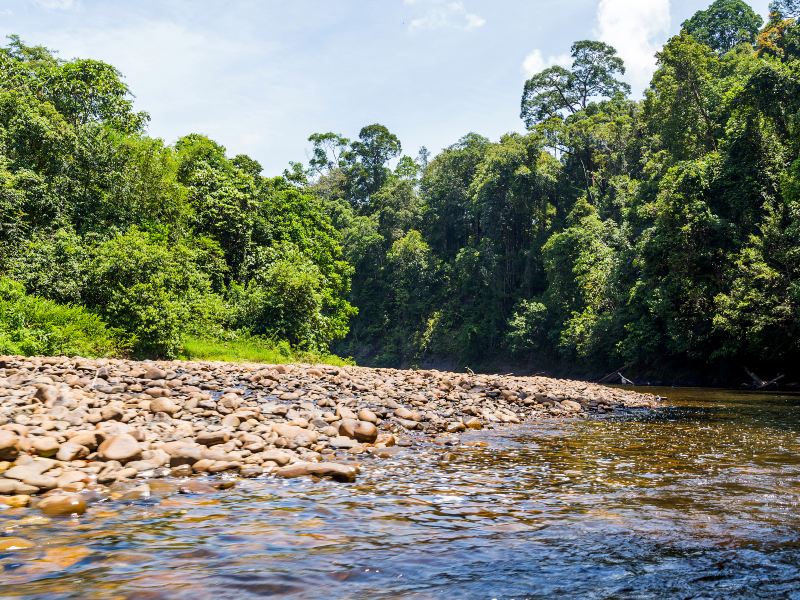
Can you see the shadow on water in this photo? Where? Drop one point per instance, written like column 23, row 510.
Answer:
column 695, row 499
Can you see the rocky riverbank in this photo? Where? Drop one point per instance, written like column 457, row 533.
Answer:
column 72, row 428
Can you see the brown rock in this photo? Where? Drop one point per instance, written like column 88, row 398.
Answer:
column 60, row 505
column 164, row 405
column 347, row 427
column 154, row 373
column 69, row 451
column 9, row 445
column 19, row 501
column 212, row 438
column 456, row 427
column 407, row 415
column 366, row 432
column 85, row 438
column 122, row 448
column 473, row 423
column 45, row 446
column 12, row 544
column 367, row 415
column 337, row 472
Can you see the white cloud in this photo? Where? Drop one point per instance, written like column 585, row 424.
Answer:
column 444, row 14
column 637, row 29
column 56, row 4
column 536, row 62
column 185, row 78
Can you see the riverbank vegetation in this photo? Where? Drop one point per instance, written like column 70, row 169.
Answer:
column 662, row 234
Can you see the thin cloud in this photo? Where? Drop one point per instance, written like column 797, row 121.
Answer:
column 444, row 14
column 536, row 62
column 56, row 4
column 637, row 29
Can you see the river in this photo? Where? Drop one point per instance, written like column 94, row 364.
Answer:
column 695, row 499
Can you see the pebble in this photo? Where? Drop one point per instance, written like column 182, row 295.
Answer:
column 123, row 448
column 62, row 505
column 12, row 544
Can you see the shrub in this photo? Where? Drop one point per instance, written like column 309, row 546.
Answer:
column 154, row 291
column 30, row 325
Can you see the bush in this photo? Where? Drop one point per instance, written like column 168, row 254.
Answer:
column 288, row 298
column 52, row 266
column 527, row 329
column 30, row 325
column 155, row 292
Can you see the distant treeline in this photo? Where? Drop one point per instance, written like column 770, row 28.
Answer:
column 661, row 234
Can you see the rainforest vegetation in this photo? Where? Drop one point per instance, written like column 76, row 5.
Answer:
column 660, row 234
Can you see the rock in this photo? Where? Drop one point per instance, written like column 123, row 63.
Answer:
column 473, row 423
column 212, row 438
column 367, row 415
column 122, row 448
column 456, row 427
column 407, row 415
column 341, row 442
column 183, row 453
column 347, row 427
column 69, row 479
column 197, row 487
column 154, row 373
column 60, row 505
column 11, row 487
column 163, row 405
column 69, row 451
column 19, row 501
column 46, row 394
column 337, row 472
column 85, row 438
column 280, row 457
column 571, row 406
column 45, row 446
column 9, row 445
column 298, row 469
column 29, row 468
column 366, row 432
column 12, row 544
column 231, row 421
column 251, row 471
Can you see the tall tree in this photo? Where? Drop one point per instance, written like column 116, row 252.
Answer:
column 725, row 24
column 557, row 91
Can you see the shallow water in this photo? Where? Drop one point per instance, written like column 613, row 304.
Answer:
column 695, row 499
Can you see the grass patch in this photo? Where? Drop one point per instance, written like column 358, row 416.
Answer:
column 33, row 326
column 253, row 349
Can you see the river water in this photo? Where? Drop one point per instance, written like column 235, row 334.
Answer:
column 695, row 499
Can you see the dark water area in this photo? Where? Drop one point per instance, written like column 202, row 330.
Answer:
column 698, row 499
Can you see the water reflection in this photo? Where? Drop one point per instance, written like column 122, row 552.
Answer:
column 696, row 499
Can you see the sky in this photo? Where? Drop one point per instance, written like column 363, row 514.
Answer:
column 260, row 76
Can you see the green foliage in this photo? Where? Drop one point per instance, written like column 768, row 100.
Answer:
column 287, row 298
column 52, row 266
column 527, row 329
column 30, row 325
column 724, row 25
column 556, row 90
column 162, row 241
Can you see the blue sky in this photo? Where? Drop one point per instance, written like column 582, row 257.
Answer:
column 259, row 76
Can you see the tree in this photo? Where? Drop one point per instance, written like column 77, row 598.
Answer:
column 367, row 160
column 556, row 90
column 725, row 24
column 328, row 152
